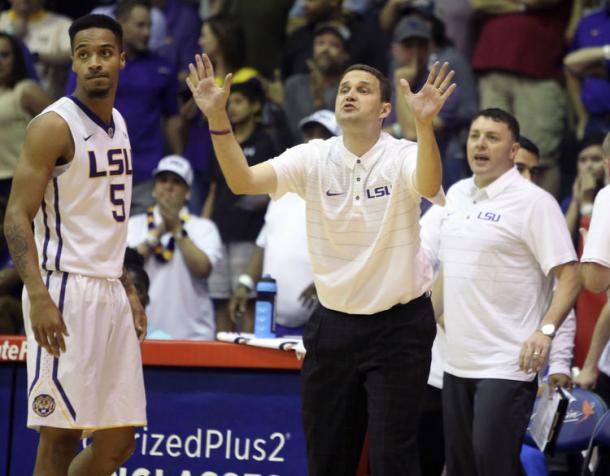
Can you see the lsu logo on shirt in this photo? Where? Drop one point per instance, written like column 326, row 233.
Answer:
column 489, row 216
column 378, row 192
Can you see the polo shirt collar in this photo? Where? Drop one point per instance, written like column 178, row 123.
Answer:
column 496, row 187
column 368, row 159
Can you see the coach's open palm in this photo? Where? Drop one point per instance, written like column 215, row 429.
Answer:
column 428, row 101
column 210, row 98
column 48, row 325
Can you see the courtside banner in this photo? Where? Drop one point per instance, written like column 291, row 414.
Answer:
column 202, row 421
column 6, row 385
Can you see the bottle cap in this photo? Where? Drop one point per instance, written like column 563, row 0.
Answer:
column 266, row 285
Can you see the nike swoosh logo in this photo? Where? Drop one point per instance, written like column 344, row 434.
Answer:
column 333, row 194
column 88, row 137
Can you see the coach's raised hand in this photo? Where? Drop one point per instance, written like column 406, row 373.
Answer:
column 210, row 98
column 429, row 100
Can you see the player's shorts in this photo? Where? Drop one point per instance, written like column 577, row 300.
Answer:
column 234, row 262
column 98, row 382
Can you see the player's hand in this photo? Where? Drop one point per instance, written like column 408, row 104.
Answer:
column 210, row 98
column 534, row 352
column 309, row 297
column 587, row 378
column 428, row 101
column 140, row 321
column 560, row 380
column 48, row 325
column 238, row 302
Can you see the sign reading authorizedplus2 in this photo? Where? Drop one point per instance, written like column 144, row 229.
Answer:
column 205, row 424
column 206, row 445
column 201, row 421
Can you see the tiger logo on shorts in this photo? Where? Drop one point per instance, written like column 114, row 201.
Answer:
column 43, row 405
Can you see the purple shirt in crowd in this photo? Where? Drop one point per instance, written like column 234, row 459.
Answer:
column 594, row 30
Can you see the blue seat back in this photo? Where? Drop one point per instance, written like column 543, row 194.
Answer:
column 582, row 416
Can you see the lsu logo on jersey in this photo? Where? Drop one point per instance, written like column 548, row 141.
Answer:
column 377, row 192
column 43, row 405
column 118, row 162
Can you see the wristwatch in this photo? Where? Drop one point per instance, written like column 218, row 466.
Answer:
column 548, row 330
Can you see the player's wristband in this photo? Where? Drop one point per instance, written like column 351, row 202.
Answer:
column 222, row 132
column 246, row 281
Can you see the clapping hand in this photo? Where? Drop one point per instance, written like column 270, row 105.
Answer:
column 428, row 101
column 169, row 208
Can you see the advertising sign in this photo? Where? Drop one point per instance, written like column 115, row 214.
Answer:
column 202, row 422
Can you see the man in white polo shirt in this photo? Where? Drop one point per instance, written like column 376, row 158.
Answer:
column 368, row 344
column 498, row 239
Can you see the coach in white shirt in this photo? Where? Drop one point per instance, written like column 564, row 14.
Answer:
column 368, row 344
column 498, row 238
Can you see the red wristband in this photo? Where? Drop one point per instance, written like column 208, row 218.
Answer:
column 221, row 133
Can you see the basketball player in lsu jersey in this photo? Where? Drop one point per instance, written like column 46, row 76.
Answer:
column 73, row 180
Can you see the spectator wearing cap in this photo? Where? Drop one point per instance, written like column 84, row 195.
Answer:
column 281, row 248
column 366, row 43
column 308, row 92
column 320, row 125
column 239, row 219
column 412, row 52
column 179, row 251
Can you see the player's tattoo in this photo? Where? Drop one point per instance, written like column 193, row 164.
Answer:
column 18, row 246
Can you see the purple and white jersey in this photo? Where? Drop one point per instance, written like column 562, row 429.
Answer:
column 81, row 226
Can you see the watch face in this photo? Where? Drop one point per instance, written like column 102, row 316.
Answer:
column 548, row 329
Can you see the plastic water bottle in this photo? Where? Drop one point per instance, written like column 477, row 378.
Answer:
column 264, row 311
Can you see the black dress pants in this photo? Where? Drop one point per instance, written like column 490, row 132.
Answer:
column 485, row 421
column 365, row 373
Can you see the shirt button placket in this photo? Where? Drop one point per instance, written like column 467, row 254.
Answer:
column 358, row 188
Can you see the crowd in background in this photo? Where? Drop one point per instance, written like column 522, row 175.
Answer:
column 545, row 61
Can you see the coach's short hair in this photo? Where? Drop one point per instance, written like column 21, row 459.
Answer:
column 500, row 115
column 96, row 21
column 385, row 88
